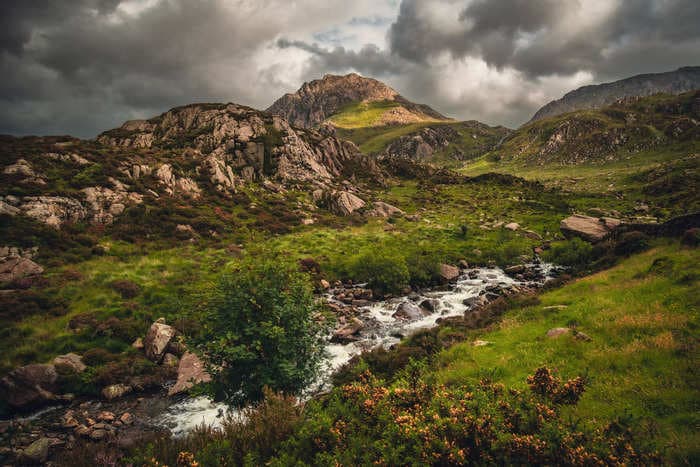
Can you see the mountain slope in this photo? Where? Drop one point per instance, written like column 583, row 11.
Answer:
column 596, row 96
column 350, row 101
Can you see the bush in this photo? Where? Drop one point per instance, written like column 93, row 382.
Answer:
column 384, row 271
column 370, row 423
column 630, row 243
column 126, row 288
column 260, row 328
column 575, row 253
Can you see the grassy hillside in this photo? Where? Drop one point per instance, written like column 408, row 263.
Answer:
column 362, row 114
column 642, row 317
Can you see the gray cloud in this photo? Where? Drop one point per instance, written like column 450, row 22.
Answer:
column 545, row 37
column 84, row 66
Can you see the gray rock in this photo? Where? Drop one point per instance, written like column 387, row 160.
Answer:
column 13, row 268
column 69, row 362
column 409, row 311
column 449, row 273
column 157, row 340
column 556, row 332
column 190, row 371
column 29, row 386
column 382, row 209
column 592, row 229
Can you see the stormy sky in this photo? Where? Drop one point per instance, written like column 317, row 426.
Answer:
column 83, row 66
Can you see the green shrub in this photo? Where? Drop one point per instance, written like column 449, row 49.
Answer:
column 260, row 328
column 631, row 242
column 575, row 253
column 384, row 271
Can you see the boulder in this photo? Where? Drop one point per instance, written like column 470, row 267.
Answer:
column 69, row 362
column 115, row 391
column 29, row 386
column 157, row 340
column 512, row 226
column 592, row 229
column 37, row 452
column 382, row 209
column 325, row 284
column 409, row 311
column 448, row 273
column 345, row 333
column 13, row 268
column 190, row 371
column 345, row 203
column 517, row 269
column 429, row 304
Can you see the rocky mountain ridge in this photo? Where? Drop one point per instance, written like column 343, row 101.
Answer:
column 601, row 95
column 317, row 100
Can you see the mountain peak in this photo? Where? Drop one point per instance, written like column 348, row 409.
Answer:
column 317, row 101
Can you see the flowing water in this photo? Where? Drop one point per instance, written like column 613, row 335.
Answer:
column 381, row 328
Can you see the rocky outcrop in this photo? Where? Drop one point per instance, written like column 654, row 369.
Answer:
column 317, row 100
column 601, row 95
column 592, row 229
column 190, row 371
column 105, row 204
column 51, row 210
column 424, row 143
column 235, row 144
column 29, row 386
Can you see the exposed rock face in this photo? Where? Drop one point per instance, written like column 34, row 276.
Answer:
column 29, row 386
column 157, row 340
column 13, row 268
column 424, row 143
column 104, row 204
column 235, row 144
column 592, row 229
column 317, row 100
column 52, row 210
column 598, row 96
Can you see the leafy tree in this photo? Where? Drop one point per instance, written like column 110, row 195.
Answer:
column 260, row 329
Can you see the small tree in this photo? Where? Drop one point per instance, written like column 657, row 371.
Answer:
column 260, row 329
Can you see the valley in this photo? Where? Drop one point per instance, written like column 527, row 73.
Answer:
column 355, row 199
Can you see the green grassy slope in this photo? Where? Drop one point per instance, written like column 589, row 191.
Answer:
column 643, row 318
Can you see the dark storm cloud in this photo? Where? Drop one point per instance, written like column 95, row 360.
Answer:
column 545, row 37
column 83, row 66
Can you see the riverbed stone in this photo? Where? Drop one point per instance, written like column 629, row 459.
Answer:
column 408, row 311
column 115, row 391
column 37, row 452
column 29, row 386
column 448, row 272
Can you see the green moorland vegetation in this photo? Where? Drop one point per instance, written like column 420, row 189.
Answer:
column 619, row 387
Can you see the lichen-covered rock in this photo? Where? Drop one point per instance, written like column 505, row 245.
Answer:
column 115, row 391
column 37, row 452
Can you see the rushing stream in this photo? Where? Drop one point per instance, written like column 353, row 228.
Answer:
column 380, row 328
